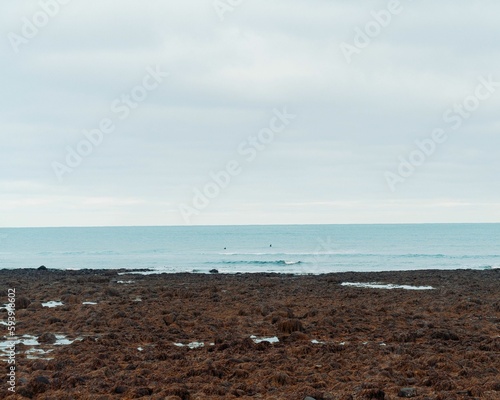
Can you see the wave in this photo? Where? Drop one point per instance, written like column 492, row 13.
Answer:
column 491, row 267
column 317, row 253
column 361, row 254
column 257, row 262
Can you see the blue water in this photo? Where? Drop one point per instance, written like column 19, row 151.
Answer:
column 295, row 248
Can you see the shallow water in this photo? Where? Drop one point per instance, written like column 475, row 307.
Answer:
column 389, row 286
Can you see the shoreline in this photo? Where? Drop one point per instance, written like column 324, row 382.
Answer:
column 254, row 335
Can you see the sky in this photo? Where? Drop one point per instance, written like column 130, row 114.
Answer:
column 204, row 112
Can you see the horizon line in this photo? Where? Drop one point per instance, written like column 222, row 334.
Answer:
column 236, row 225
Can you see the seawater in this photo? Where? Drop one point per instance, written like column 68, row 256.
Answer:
column 229, row 249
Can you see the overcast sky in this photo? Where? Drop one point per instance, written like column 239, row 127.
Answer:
column 363, row 80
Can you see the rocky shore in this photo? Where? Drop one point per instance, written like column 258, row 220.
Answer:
column 105, row 335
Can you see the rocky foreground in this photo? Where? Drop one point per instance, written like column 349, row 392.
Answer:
column 190, row 336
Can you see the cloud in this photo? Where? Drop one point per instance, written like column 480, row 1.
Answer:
column 353, row 120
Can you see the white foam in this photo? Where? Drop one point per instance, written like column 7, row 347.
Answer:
column 125, row 282
column 52, row 304
column 273, row 339
column 92, row 303
column 314, row 341
column 375, row 285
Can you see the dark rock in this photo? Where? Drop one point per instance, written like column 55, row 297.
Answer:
column 170, row 319
column 112, row 292
column 47, row 338
column 120, row 389
column 295, row 337
column 444, row 335
column 39, row 385
column 376, row 394
column 70, row 298
column 214, row 271
column 291, row 325
column 22, row 303
column 42, row 380
column 21, row 347
column 180, row 391
column 141, row 392
column 42, row 268
column 38, row 365
column 25, row 392
column 407, row 392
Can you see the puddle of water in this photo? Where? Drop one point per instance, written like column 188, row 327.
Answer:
column 36, row 350
column 196, row 345
column 192, row 345
column 38, row 354
column 256, row 339
column 90, row 303
column 62, row 340
column 132, row 272
column 125, row 282
column 29, row 340
column 314, row 341
column 52, row 304
column 375, row 285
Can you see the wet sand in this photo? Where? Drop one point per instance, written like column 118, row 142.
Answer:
column 255, row 336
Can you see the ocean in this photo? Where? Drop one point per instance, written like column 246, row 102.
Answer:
column 298, row 249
